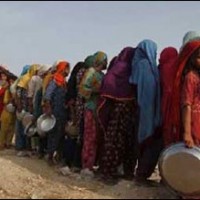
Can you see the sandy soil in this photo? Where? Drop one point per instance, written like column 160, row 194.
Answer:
column 30, row 178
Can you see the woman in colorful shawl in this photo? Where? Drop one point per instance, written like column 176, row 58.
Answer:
column 167, row 67
column 117, row 117
column 79, row 113
column 145, row 75
column 7, row 120
column 89, row 89
column 54, row 103
column 22, row 142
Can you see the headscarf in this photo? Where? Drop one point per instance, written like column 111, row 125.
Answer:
column 112, row 62
column 72, row 82
column 146, row 76
column 99, row 57
column 58, row 77
column 25, row 69
column 23, row 82
column 89, row 61
column 168, row 58
column 190, row 36
column 173, row 118
column 49, row 77
column 116, row 84
column 42, row 70
column 167, row 69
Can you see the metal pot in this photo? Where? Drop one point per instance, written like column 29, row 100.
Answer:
column 30, row 129
column 10, row 108
column 27, row 119
column 180, row 169
column 46, row 123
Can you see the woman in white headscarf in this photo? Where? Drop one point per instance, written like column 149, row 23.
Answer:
column 34, row 92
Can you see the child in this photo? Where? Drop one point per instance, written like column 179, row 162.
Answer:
column 191, row 100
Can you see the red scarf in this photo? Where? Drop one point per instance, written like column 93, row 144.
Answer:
column 168, row 58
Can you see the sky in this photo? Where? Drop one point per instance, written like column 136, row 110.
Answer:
column 46, row 31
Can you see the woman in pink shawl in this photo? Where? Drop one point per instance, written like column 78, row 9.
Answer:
column 116, row 118
column 168, row 69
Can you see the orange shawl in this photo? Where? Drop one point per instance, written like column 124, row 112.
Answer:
column 58, row 76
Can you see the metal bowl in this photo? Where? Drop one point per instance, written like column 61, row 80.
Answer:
column 27, row 119
column 180, row 169
column 30, row 129
column 10, row 108
column 20, row 115
column 46, row 123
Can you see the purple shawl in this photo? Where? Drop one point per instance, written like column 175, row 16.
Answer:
column 116, row 82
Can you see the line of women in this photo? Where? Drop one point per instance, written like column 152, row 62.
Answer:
column 111, row 125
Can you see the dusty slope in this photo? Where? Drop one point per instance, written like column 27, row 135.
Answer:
column 33, row 178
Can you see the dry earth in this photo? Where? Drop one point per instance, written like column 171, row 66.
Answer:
column 30, row 178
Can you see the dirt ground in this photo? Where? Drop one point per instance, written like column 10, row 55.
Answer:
column 30, row 178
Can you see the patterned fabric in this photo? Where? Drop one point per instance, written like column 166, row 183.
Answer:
column 119, row 140
column 90, row 86
column 99, row 57
column 89, row 61
column 191, row 96
column 90, row 143
column 79, row 104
